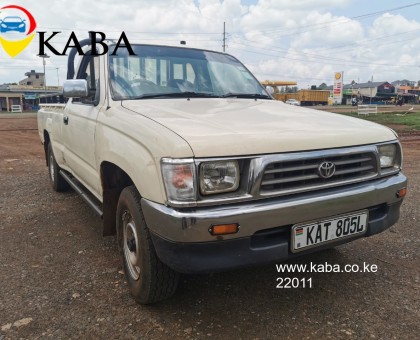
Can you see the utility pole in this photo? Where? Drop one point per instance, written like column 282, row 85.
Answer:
column 44, row 56
column 224, row 36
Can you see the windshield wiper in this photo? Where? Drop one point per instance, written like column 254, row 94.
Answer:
column 245, row 95
column 191, row 94
column 175, row 95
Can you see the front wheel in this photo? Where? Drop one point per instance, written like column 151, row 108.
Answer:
column 149, row 280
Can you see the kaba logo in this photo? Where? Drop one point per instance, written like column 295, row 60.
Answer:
column 73, row 42
column 17, row 26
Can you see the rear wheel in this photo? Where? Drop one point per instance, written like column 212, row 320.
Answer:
column 149, row 280
column 57, row 181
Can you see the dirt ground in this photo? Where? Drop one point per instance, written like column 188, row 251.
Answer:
column 60, row 279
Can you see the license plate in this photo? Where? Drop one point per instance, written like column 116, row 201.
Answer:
column 312, row 234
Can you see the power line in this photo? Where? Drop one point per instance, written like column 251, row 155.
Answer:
column 327, row 24
column 328, row 57
column 324, row 58
column 368, row 40
column 345, row 63
column 322, row 25
column 74, row 29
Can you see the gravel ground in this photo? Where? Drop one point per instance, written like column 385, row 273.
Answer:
column 61, row 279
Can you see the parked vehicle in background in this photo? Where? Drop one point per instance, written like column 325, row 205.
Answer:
column 313, row 97
column 304, row 97
column 292, row 102
column 195, row 168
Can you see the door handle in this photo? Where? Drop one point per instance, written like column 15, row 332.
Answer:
column 66, row 120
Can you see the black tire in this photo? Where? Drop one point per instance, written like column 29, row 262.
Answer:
column 149, row 280
column 57, row 181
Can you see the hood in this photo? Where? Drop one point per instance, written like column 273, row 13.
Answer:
column 233, row 127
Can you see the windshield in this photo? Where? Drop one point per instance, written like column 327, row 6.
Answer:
column 168, row 72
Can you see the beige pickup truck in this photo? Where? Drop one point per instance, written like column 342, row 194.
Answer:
column 195, row 168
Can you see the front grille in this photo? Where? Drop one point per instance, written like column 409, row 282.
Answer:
column 290, row 176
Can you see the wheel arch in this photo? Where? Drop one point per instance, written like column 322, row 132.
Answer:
column 113, row 181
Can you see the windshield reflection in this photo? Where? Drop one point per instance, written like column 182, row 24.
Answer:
column 170, row 72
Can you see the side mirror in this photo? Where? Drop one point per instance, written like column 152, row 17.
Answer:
column 75, row 88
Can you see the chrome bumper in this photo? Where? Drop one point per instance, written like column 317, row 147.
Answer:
column 192, row 225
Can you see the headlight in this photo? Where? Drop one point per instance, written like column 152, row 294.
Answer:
column 217, row 177
column 387, row 155
column 21, row 25
column 179, row 179
column 3, row 25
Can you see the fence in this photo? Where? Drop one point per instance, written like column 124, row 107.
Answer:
column 16, row 108
column 367, row 109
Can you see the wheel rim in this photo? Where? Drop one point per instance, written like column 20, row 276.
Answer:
column 52, row 167
column 131, row 246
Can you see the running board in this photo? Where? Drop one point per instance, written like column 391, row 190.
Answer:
column 82, row 193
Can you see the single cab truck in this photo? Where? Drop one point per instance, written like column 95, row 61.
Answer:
column 195, row 168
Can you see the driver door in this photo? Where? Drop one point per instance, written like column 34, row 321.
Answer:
column 79, row 126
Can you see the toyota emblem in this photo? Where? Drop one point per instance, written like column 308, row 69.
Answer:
column 326, row 169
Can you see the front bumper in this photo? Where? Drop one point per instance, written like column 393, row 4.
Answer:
column 183, row 242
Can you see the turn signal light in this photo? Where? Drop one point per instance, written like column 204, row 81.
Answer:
column 402, row 192
column 224, row 229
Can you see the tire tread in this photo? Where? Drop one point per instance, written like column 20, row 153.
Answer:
column 163, row 281
column 59, row 184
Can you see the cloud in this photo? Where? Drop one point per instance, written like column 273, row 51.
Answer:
column 388, row 49
column 277, row 39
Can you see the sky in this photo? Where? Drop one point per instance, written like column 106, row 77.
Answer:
column 299, row 40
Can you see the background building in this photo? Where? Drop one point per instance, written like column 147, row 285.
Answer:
column 29, row 92
column 33, row 79
column 380, row 92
